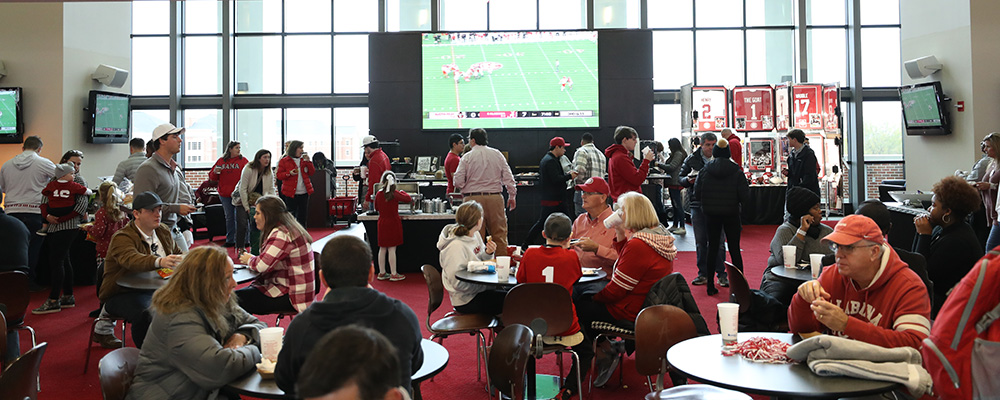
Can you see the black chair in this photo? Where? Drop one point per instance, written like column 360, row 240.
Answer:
column 15, row 296
column 20, row 380
column 508, row 360
column 527, row 303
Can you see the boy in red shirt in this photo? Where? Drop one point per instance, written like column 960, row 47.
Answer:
column 556, row 263
column 62, row 194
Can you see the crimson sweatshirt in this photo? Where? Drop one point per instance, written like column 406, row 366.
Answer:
column 623, row 176
column 227, row 172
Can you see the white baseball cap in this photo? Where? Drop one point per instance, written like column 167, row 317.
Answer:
column 166, row 129
column 368, row 140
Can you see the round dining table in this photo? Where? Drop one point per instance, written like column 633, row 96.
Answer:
column 797, row 274
column 701, row 359
column 490, row 278
column 151, row 280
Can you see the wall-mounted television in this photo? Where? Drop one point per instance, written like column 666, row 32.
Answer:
column 109, row 115
column 924, row 111
column 510, row 80
column 11, row 115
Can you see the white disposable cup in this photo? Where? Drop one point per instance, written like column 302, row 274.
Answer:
column 816, row 264
column 788, row 253
column 729, row 314
column 503, row 268
column 270, row 342
column 613, row 220
column 364, row 172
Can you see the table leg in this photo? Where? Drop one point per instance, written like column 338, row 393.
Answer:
column 531, row 378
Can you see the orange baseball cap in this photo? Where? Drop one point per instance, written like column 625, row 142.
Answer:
column 853, row 228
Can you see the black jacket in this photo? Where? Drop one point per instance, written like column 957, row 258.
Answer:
column 552, row 179
column 673, row 290
column 344, row 306
column 802, row 169
column 15, row 236
column 950, row 252
column 721, row 187
column 693, row 162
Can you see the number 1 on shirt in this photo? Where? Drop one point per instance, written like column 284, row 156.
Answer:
column 549, row 274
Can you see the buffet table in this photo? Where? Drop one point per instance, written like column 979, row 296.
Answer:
column 766, row 205
column 420, row 235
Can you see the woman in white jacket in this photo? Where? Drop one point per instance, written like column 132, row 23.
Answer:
column 459, row 244
column 256, row 180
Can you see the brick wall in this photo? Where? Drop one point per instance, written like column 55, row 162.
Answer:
column 876, row 173
column 195, row 177
column 351, row 189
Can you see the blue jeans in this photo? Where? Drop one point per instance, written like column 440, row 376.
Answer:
column 34, row 223
column 700, row 225
column 231, row 220
column 677, row 202
column 994, row 239
column 134, row 307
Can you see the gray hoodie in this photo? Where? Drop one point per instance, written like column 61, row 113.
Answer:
column 456, row 252
column 23, row 178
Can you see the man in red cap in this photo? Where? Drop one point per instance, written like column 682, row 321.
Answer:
column 552, row 181
column 594, row 245
column 870, row 295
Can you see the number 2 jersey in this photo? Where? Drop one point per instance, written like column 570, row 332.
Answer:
column 552, row 264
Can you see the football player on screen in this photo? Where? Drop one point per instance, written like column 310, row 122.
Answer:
column 565, row 84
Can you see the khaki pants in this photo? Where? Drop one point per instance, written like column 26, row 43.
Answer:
column 494, row 220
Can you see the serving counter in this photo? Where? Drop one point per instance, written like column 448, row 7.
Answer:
column 420, row 234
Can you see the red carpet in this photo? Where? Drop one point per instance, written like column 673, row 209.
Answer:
column 68, row 331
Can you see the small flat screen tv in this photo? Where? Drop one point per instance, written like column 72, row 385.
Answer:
column 510, row 80
column 924, row 111
column 109, row 117
column 11, row 115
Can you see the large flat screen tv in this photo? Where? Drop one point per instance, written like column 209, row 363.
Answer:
column 11, row 115
column 109, row 117
column 510, row 80
column 924, row 111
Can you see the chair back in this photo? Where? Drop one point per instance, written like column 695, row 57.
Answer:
column 547, row 301
column 14, row 294
column 435, row 290
column 116, row 371
column 3, row 339
column 20, row 380
column 657, row 328
column 508, row 360
column 739, row 289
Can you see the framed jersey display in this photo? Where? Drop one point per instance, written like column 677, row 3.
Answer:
column 782, row 104
column 831, row 108
column 807, row 111
column 753, row 108
column 712, row 105
column 761, row 154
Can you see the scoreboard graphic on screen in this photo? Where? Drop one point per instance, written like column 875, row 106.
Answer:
column 753, row 108
column 712, row 105
column 831, row 104
column 782, row 103
column 807, row 106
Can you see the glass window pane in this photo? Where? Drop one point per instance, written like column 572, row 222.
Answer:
column 672, row 51
column 879, row 12
column 827, row 55
column 769, row 56
column 769, row 12
column 202, row 65
column 666, row 122
column 258, row 16
column 880, row 64
column 616, row 14
column 307, row 16
column 202, row 16
column 307, row 64
column 718, row 13
column 826, row 12
column 311, row 126
column 669, row 13
column 512, row 15
column 350, row 126
column 202, row 138
column 463, row 15
column 562, row 14
column 719, row 58
column 258, row 64
column 144, row 121
column 355, row 15
column 883, row 128
column 151, row 17
column 408, row 15
column 259, row 129
column 150, row 71
column 350, row 66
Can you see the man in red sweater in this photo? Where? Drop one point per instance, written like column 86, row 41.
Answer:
column 623, row 176
column 378, row 163
column 457, row 145
column 735, row 147
column 868, row 295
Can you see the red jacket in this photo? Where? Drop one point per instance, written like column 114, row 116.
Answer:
column 894, row 311
column 377, row 164
column 639, row 266
column 289, row 181
column 736, row 150
column 622, row 174
column 450, row 166
column 229, row 175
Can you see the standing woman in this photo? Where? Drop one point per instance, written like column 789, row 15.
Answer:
column 673, row 168
column 294, row 171
column 390, row 227
column 61, row 234
column 74, row 157
column 987, row 186
column 256, row 180
column 227, row 171
column 285, row 264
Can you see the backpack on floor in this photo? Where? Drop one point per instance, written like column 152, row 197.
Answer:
column 962, row 353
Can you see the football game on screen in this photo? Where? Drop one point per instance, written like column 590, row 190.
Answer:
column 111, row 115
column 8, row 112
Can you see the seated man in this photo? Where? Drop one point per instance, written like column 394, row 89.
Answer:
column 143, row 245
column 878, row 212
column 870, row 296
column 352, row 362
column 347, row 269
column 596, row 242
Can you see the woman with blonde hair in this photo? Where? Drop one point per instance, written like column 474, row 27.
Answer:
column 200, row 339
column 108, row 220
column 286, row 280
column 987, row 186
column 459, row 244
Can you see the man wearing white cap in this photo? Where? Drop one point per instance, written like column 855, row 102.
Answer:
column 378, row 163
column 160, row 174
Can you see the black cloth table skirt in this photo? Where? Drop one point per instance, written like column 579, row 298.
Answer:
column 766, row 205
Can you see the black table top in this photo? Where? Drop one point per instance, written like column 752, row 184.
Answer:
column 800, row 275
column 150, row 280
column 701, row 359
column 491, row 278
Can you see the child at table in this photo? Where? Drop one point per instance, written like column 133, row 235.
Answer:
column 459, row 244
column 390, row 227
column 556, row 263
